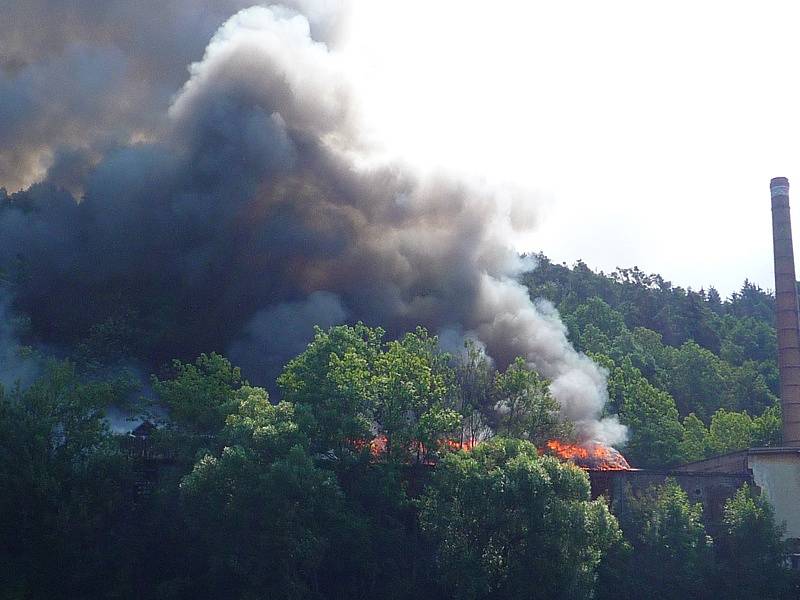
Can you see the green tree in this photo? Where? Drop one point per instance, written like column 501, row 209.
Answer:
column 695, row 442
column 698, row 381
column 411, row 388
column 525, row 407
column 671, row 553
column 264, row 527
column 261, row 511
column 655, row 432
column 507, row 523
column 752, row 301
column 595, row 311
column 269, row 429
column 748, row 338
column 749, row 389
column 474, row 377
column 767, row 427
column 64, row 491
column 353, row 388
column 330, row 381
column 201, row 395
column 700, row 321
column 594, row 340
column 751, row 556
column 714, row 300
column 729, row 431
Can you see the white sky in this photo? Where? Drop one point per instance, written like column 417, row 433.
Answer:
column 646, row 132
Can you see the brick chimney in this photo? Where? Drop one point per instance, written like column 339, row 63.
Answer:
column 786, row 311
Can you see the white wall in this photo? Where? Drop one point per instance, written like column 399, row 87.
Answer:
column 778, row 475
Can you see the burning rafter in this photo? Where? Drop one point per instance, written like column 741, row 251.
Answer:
column 589, row 455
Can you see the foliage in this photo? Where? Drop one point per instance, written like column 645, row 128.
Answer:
column 695, row 443
column 750, row 552
column 264, row 522
column 268, row 429
column 410, row 390
column 255, row 505
column 356, row 388
column 201, row 395
column 671, row 552
column 698, row 381
column 707, row 354
column 655, row 432
column 729, row 431
column 671, row 556
column 474, row 377
column 62, row 490
column 507, row 523
column 766, row 428
column 330, row 380
column 525, row 408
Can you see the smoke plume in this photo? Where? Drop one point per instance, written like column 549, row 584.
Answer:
column 243, row 213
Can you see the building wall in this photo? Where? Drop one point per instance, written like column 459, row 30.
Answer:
column 776, row 471
column 710, row 489
column 778, row 476
column 733, row 462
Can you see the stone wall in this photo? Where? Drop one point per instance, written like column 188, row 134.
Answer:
column 711, row 489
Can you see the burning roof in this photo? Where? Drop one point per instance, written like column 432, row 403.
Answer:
column 592, row 455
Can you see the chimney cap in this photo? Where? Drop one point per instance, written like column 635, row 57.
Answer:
column 778, row 181
column 779, row 186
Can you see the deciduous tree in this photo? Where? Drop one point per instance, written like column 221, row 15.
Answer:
column 507, row 523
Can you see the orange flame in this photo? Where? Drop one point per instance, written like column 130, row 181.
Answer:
column 467, row 444
column 378, row 446
column 590, row 455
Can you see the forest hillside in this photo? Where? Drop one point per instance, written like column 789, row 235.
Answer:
column 383, row 466
column 691, row 374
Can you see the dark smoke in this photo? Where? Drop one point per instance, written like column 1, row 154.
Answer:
column 276, row 334
column 79, row 76
column 246, row 215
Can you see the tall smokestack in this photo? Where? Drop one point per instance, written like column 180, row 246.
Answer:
column 786, row 311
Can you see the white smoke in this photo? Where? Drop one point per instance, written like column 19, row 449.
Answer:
column 507, row 319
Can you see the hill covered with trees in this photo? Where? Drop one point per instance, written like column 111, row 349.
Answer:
column 387, row 467
column 690, row 374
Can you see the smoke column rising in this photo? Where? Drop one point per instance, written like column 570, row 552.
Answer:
column 253, row 211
